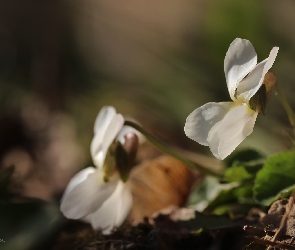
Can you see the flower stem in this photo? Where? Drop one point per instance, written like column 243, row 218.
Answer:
column 287, row 107
column 169, row 151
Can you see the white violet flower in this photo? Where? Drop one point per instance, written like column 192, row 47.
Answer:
column 88, row 196
column 223, row 126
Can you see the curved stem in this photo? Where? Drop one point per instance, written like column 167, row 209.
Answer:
column 286, row 105
column 169, row 151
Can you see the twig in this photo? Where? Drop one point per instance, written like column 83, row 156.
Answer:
column 284, row 220
column 169, row 151
column 260, row 241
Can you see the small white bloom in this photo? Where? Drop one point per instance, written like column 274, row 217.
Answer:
column 103, row 204
column 223, row 126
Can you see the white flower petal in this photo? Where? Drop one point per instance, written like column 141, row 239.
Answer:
column 104, row 118
column 78, row 178
column 239, row 60
column 213, row 140
column 251, row 84
column 114, row 210
column 114, row 126
column 112, row 131
column 202, row 119
column 225, row 136
column 243, row 127
column 87, row 196
column 101, row 124
column 97, row 154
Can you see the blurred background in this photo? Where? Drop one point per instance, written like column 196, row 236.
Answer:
column 154, row 61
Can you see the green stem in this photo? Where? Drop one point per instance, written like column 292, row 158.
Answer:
column 167, row 150
column 286, row 105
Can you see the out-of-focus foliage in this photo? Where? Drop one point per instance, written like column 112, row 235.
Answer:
column 234, row 194
column 246, row 184
column 139, row 57
column 275, row 178
column 29, row 225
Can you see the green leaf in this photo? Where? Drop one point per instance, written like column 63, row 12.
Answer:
column 277, row 174
column 243, row 166
column 242, row 172
column 222, row 198
column 34, row 223
column 285, row 193
column 207, row 192
column 235, row 200
column 237, row 174
column 248, row 157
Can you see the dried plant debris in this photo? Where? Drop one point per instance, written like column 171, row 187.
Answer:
column 77, row 235
column 181, row 229
column 277, row 228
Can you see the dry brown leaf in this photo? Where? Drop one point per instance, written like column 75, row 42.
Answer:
column 157, row 184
